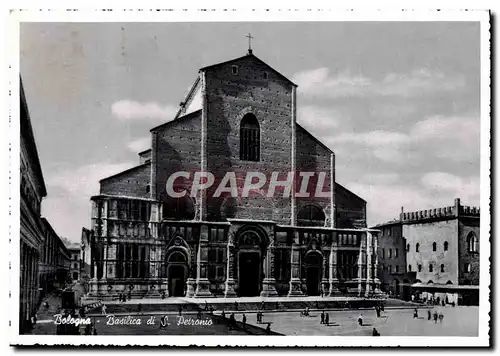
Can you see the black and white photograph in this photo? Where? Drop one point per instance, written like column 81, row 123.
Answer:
column 308, row 179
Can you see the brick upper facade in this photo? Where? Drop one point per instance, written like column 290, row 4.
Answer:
column 205, row 136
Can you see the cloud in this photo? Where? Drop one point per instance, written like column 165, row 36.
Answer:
column 319, row 120
column 385, row 145
column 140, row 144
column 375, row 138
column 464, row 188
column 83, row 182
column 380, row 178
column 129, row 110
column 423, row 81
column 384, row 201
column 454, row 138
column 386, row 195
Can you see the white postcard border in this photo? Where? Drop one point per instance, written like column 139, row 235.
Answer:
column 148, row 15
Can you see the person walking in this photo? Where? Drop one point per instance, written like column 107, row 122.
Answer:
column 232, row 320
column 268, row 329
column 377, row 310
column 429, row 314
column 327, row 319
column 435, row 316
column 360, row 320
column 415, row 313
column 441, row 317
column 103, row 309
column 322, row 317
column 244, row 320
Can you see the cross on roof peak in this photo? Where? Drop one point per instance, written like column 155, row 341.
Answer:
column 250, row 37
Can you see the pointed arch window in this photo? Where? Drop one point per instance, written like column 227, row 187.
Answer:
column 434, row 246
column 311, row 215
column 445, row 245
column 249, row 138
column 472, row 242
column 417, row 247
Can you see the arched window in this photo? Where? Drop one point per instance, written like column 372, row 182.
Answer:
column 249, row 138
column 431, row 268
column 407, row 247
column 420, row 268
column 417, row 247
column 310, row 215
column 467, row 268
column 409, row 268
column 434, row 246
column 178, row 208
column 445, row 245
column 176, row 257
column 472, row 242
column 442, row 268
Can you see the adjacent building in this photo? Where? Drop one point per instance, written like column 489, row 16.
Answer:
column 154, row 232
column 86, row 268
column 392, row 259
column 31, row 228
column 54, row 261
column 74, row 268
column 43, row 256
column 441, row 254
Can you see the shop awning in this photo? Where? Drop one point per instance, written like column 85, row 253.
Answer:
column 443, row 286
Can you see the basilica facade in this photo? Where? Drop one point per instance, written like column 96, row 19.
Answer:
column 233, row 198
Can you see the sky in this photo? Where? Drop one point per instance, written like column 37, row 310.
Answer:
column 398, row 102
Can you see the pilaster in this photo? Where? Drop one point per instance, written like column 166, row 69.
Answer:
column 369, row 266
column 295, row 282
column 229, row 291
column 269, row 282
column 202, row 282
column 333, row 278
column 293, row 168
